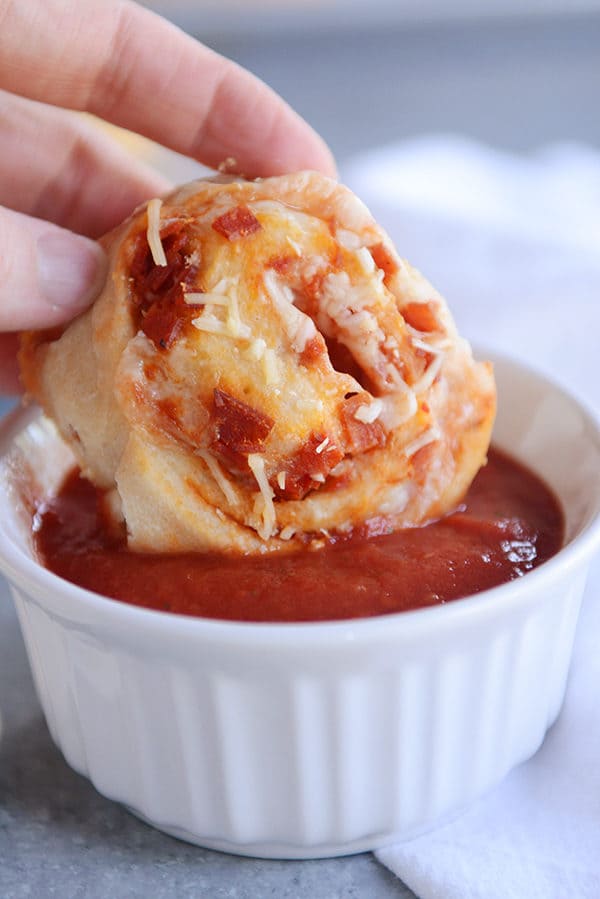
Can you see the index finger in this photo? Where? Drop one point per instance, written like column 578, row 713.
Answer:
column 133, row 68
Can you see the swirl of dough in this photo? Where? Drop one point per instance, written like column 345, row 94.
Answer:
column 262, row 370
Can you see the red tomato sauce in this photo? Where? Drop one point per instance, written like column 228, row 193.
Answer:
column 509, row 523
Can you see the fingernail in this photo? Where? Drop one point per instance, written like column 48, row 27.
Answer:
column 71, row 269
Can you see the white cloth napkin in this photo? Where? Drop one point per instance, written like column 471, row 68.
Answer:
column 514, row 244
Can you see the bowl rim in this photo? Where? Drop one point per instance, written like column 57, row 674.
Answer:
column 44, row 587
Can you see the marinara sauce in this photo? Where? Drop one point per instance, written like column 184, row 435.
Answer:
column 509, row 523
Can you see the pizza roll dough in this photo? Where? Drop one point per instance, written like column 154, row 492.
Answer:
column 262, row 371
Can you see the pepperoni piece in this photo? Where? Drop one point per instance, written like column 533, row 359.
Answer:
column 307, row 462
column 383, row 259
column 421, row 316
column 238, row 427
column 360, row 436
column 314, row 350
column 149, row 277
column 236, row 223
column 163, row 323
column 158, row 289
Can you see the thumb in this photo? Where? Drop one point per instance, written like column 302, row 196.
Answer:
column 47, row 274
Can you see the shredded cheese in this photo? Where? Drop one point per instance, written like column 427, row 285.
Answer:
column 269, row 360
column 203, row 299
column 441, row 343
column 234, row 322
column 366, row 261
column 429, row 436
column 220, row 295
column 212, row 325
column 397, row 408
column 319, row 449
column 347, row 239
column 421, row 345
column 305, row 331
column 215, row 470
column 287, row 533
column 298, row 326
column 429, row 375
column 281, row 479
column 222, row 285
column 368, row 413
column 257, row 348
column 256, row 464
column 153, row 232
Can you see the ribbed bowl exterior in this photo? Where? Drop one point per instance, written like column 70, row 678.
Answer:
column 303, row 753
column 310, row 740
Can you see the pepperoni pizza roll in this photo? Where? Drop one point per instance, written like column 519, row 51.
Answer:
column 262, row 371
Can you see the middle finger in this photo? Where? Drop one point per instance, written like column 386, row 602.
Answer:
column 57, row 166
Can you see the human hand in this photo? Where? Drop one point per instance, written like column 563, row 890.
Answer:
column 63, row 182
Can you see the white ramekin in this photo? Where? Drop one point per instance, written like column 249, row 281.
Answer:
column 307, row 740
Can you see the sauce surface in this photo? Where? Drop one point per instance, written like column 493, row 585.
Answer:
column 508, row 524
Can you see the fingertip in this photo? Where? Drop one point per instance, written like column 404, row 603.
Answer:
column 332, row 166
column 326, row 160
column 308, row 151
column 71, row 271
column 295, row 146
column 248, row 123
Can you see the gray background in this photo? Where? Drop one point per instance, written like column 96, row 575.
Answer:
column 514, row 83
